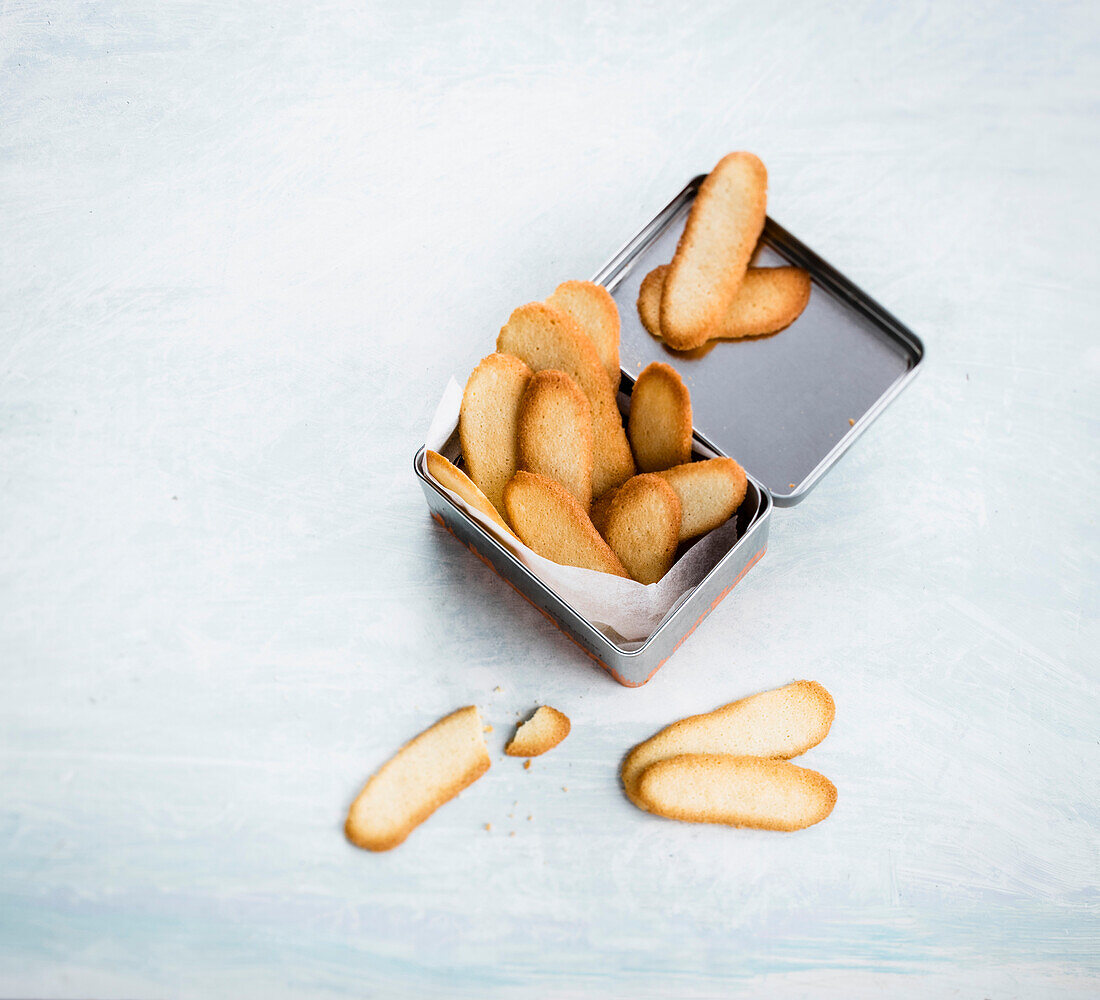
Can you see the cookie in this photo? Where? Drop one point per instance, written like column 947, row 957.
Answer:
column 546, row 338
column 769, row 299
column 781, row 723
column 642, row 526
column 597, row 315
column 555, row 433
column 649, row 299
column 543, row 731
column 736, row 791
column 487, row 422
column 709, row 491
column 724, row 223
column 659, row 427
column 455, row 480
column 427, row 771
column 549, row 520
column 599, row 510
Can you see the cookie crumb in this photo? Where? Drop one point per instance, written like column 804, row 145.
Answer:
column 528, row 819
column 488, row 827
column 790, row 486
column 526, row 765
column 512, row 834
column 851, row 422
column 488, row 729
column 498, row 688
column 564, row 789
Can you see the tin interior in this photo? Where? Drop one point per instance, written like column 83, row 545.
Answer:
column 785, row 406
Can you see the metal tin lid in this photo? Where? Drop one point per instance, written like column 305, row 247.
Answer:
column 785, row 406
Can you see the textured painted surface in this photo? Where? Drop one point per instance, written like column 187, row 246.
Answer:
column 243, row 248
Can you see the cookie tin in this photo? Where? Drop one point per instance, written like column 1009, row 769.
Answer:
column 785, row 406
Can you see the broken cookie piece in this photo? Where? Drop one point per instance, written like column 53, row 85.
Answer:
column 543, row 731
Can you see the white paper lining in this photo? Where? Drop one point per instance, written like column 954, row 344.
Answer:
column 627, row 612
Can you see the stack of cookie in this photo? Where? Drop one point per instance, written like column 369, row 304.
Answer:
column 731, row 766
column 548, row 458
column 709, row 292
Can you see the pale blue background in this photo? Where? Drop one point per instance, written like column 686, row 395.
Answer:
column 244, row 247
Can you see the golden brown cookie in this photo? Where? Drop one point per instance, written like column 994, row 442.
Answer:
column 455, row 480
column 549, row 520
column 724, row 223
column 769, row 299
column 487, row 422
column 546, row 338
column 555, row 433
column 427, row 771
column 659, row 427
column 649, row 299
column 736, row 791
column 642, row 526
column 543, row 731
column 709, row 491
column 781, row 723
column 597, row 315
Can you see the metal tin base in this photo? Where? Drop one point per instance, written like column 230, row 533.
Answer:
column 630, row 664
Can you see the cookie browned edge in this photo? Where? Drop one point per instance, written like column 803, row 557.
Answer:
column 649, row 299
column 599, row 510
column 773, row 769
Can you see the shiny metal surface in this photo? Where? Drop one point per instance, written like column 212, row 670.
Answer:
column 785, row 406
